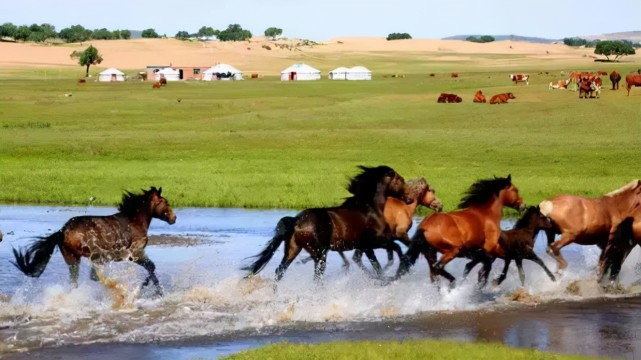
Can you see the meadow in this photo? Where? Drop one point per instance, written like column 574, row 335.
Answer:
column 271, row 144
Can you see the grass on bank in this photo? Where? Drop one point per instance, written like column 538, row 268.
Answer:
column 272, row 144
column 406, row 350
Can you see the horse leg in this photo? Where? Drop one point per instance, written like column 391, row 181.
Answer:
column 73, row 261
column 469, row 266
column 485, row 271
column 430, row 255
column 320, row 265
column 532, row 256
column 374, row 261
column 291, row 251
column 555, row 251
column 358, row 259
column 439, row 267
column 345, row 261
column 149, row 265
column 390, row 259
column 519, row 266
column 501, row 278
column 93, row 275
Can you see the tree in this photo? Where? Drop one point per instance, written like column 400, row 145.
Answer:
column 615, row 48
column 182, row 35
column 398, row 36
column 101, row 34
column 75, row 33
column 150, row 33
column 205, row 31
column 482, row 39
column 90, row 56
column 575, row 41
column 234, row 32
column 273, row 32
column 22, row 33
column 125, row 34
column 8, row 29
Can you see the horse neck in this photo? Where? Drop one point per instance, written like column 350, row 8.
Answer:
column 379, row 198
column 492, row 209
column 621, row 203
column 142, row 218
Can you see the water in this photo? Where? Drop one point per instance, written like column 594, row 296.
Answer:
column 209, row 310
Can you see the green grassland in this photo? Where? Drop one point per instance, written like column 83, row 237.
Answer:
column 270, row 144
column 414, row 349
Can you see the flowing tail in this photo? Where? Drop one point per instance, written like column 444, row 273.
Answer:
column 284, row 231
column 418, row 245
column 35, row 258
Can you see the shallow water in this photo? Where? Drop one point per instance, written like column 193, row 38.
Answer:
column 209, row 310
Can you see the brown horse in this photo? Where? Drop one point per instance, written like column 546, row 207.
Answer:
column 518, row 244
column 398, row 216
column 122, row 236
column 587, row 221
column 358, row 223
column 470, row 232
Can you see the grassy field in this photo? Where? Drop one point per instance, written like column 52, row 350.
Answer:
column 422, row 349
column 270, row 144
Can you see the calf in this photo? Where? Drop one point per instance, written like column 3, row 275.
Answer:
column 449, row 98
column 615, row 77
column 479, row 97
column 501, row 98
column 520, row 77
column 631, row 80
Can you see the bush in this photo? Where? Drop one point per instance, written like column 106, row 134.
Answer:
column 398, row 36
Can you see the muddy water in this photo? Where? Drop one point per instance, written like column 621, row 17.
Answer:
column 209, row 310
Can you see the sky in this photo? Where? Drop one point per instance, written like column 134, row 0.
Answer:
column 326, row 19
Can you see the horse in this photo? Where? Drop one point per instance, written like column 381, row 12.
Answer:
column 471, row 231
column 357, row 223
column 626, row 236
column 518, row 244
column 398, row 217
column 588, row 221
column 121, row 236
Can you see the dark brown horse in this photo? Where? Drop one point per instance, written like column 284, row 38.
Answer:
column 399, row 214
column 518, row 244
column 588, row 221
column 473, row 231
column 122, row 236
column 358, row 223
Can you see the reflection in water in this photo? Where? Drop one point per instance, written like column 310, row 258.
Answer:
column 209, row 309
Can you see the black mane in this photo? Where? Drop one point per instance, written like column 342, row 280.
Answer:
column 525, row 220
column 482, row 191
column 364, row 186
column 131, row 203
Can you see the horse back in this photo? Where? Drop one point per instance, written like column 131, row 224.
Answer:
column 578, row 215
column 462, row 229
column 87, row 235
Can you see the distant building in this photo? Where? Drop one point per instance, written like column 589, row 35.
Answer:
column 176, row 72
column 111, row 74
column 300, row 72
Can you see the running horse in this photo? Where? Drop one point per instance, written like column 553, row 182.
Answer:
column 357, row 223
column 518, row 244
column 117, row 237
column 588, row 221
column 472, row 231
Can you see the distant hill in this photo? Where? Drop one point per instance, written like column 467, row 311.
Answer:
column 634, row 36
column 507, row 37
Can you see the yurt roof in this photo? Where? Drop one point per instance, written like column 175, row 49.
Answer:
column 359, row 69
column 300, row 68
column 111, row 71
column 222, row 68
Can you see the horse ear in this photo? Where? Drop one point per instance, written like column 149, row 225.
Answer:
column 509, row 177
column 159, row 191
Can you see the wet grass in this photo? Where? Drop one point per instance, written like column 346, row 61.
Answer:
column 269, row 144
column 414, row 349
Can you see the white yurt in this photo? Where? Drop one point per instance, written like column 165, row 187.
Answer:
column 222, row 72
column 169, row 74
column 300, row 72
column 340, row 73
column 111, row 74
column 358, row 73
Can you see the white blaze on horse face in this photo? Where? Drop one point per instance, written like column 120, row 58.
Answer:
column 546, row 207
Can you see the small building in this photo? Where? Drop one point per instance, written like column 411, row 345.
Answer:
column 111, row 74
column 300, row 72
column 168, row 73
column 359, row 73
column 177, row 72
column 340, row 73
column 222, row 72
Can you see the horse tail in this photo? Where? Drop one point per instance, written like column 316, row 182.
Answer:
column 418, row 245
column 283, row 232
column 33, row 261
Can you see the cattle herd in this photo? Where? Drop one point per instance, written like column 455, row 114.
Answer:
column 588, row 84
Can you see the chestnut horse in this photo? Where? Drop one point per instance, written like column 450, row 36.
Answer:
column 587, row 221
column 358, row 223
column 518, row 244
column 398, row 216
column 121, row 236
column 472, row 231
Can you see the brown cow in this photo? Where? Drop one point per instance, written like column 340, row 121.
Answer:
column 615, row 77
column 479, row 97
column 156, row 85
column 449, row 98
column 631, row 80
column 602, row 73
column 454, row 75
column 162, row 81
column 501, row 98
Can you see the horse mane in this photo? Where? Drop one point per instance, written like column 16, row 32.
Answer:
column 416, row 188
column 131, row 203
column 629, row 186
column 364, row 186
column 524, row 220
column 483, row 190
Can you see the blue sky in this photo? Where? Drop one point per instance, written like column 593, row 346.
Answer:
column 325, row 19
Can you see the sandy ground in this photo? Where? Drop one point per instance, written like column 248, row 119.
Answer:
column 254, row 56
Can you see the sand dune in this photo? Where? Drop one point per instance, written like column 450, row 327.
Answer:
column 254, row 55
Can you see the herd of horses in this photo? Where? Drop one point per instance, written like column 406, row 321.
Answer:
column 378, row 212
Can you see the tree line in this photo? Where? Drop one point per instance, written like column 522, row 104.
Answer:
column 44, row 32
column 608, row 48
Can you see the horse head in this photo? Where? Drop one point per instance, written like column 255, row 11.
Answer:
column 497, row 189
column 510, row 196
column 419, row 190
column 160, row 208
